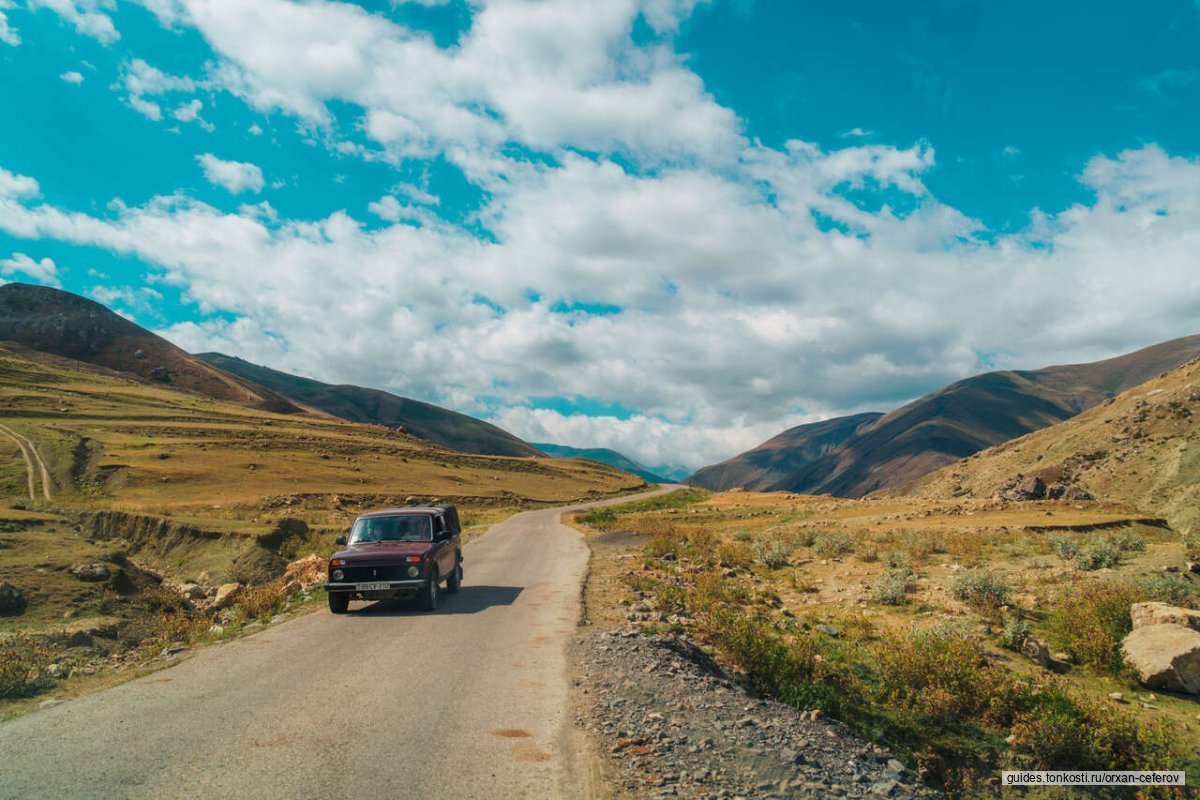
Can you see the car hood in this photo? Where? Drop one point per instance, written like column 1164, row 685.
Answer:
column 382, row 552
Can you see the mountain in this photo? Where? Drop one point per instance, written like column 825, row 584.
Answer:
column 786, row 454
column 605, row 456
column 358, row 404
column 67, row 325
column 1141, row 448
column 853, row 456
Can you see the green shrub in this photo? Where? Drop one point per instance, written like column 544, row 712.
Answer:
column 936, row 673
column 981, row 588
column 598, row 518
column 1090, row 620
column 742, row 536
column 897, row 559
column 1128, row 542
column 1066, row 548
column 867, row 551
column 894, row 586
column 1015, row 632
column 1170, row 587
column 833, row 543
column 772, row 553
column 1100, row 554
column 262, row 602
column 24, row 666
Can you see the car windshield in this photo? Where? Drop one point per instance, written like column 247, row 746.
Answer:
column 392, row 529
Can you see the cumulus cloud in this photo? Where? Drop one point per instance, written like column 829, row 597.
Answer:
column 73, row 77
column 141, row 81
column 88, row 17
column 43, row 271
column 235, row 176
column 733, row 313
column 8, row 34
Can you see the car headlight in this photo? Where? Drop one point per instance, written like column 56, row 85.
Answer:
column 414, row 572
column 338, row 574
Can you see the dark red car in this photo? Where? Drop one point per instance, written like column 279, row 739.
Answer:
column 397, row 552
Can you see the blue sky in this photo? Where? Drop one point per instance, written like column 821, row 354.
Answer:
column 664, row 226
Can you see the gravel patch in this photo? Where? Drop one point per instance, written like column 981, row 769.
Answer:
column 675, row 725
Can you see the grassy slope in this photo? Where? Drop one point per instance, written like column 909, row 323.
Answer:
column 358, row 404
column 1141, row 448
column 120, row 444
column 835, row 553
column 67, row 325
column 604, row 456
column 941, row 428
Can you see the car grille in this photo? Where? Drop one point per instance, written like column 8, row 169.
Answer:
column 382, row 573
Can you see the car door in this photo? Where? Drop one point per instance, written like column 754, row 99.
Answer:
column 444, row 548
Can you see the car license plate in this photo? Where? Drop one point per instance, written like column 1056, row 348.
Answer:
column 373, row 587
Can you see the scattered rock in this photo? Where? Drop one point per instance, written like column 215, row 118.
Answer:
column 11, row 598
column 1165, row 657
column 192, row 591
column 1037, row 651
column 828, row 630
column 1144, row 614
column 226, row 595
column 308, row 572
column 91, row 572
column 161, row 374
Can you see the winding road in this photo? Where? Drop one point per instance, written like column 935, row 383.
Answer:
column 470, row 701
column 33, row 463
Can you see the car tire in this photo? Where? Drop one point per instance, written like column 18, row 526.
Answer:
column 429, row 593
column 454, row 582
column 339, row 602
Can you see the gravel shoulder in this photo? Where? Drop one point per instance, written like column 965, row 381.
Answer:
column 667, row 721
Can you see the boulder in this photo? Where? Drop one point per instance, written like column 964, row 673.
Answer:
column 192, row 591
column 309, row 571
column 1033, row 488
column 1062, row 491
column 91, row 572
column 226, row 595
column 1166, row 657
column 11, row 598
column 1144, row 614
column 1036, row 650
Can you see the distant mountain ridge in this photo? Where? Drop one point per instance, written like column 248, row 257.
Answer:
column 605, row 456
column 360, row 404
column 853, row 456
column 63, row 324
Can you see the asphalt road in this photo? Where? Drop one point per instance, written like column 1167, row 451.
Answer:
column 470, row 701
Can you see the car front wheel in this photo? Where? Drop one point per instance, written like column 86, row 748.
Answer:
column 429, row 593
column 339, row 602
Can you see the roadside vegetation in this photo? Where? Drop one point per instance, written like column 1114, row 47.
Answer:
column 912, row 622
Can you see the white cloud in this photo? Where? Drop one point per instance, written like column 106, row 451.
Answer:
column 72, row 77
column 140, row 81
column 8, row 34
column 88, row 17
column 738, row 313
column 188, row 112
column 16, row 186
column 234, row 176
column 43, row 271
column 857, row 133
column 255, row 130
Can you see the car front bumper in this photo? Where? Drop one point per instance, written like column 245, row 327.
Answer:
column 415, row 583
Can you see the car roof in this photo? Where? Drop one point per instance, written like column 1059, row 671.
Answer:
column 408, row 511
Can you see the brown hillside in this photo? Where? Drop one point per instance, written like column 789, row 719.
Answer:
column 1141, row 448
column 67, row 325
column 940, row 428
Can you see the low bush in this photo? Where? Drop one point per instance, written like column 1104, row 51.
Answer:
column 24, row 666
column 867, row 551
column 1091, row 618
column 1100, row 554
column 1014, row 632
column 772, row 553
column 263, row 602
column 981, row 588
column 1066, row 548
column 598, row 518
column 894, row 586
column 1128, row 542
column 833, row 543
column 1171, row 587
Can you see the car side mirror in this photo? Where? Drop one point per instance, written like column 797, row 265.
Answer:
column 340, row 540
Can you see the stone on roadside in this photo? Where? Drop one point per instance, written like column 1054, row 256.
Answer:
column 1144, row 614
column 1165, row 657
column 91, row 572
column 226, row 595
